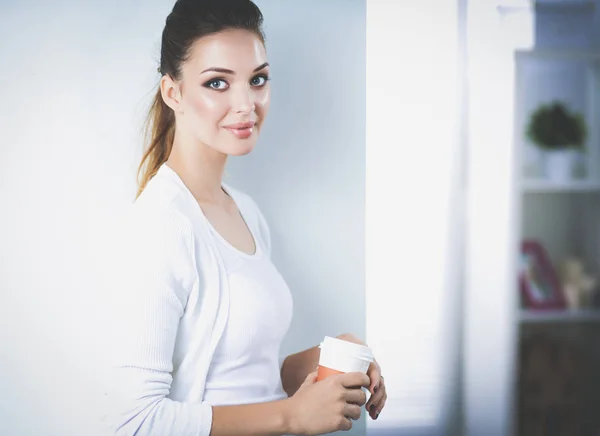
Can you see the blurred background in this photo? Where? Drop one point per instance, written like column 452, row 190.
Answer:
column 430, row 171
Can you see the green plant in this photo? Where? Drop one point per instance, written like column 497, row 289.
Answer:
column 554, row 127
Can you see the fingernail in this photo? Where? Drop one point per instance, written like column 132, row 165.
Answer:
column 377, row 416
column 372, row 407
column 375, row 389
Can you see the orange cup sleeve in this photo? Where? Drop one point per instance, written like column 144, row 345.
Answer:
column 325, row 372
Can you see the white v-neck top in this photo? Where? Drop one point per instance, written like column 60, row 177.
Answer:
column 245, row 366
column 197, row 323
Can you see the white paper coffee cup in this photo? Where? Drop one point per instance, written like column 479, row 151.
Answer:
column 339, row 356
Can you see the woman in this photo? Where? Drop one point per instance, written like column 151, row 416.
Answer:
column 204, row 310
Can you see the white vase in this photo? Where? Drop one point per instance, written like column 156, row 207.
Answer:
column 559, row 165
column 533, row 162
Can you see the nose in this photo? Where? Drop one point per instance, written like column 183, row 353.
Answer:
column 244, row 100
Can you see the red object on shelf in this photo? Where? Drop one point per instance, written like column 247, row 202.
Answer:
column 539, row 283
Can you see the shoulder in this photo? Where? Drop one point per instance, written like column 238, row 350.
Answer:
column 158, row 222
column 159, row 209
column 155, row 229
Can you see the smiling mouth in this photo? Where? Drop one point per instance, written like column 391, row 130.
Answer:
column 245, row 125
column 243, row 132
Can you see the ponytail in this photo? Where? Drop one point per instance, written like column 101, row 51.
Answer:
column 160, row 130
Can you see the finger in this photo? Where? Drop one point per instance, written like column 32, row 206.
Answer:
column 352, row 411
column 355, row 380
column 356, row 396
column 310, row 378
column 379, row 407
column 378, row 393
column 376, row 381
column 374, row 401
column 345, row 424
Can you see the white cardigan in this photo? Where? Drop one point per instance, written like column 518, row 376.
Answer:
column 172, row 309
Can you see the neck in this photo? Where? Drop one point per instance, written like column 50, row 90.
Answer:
column 201, row 168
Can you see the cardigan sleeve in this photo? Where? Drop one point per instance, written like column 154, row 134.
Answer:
column 155, row 276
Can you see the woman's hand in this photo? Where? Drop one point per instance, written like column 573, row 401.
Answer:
column 377, row 387
column 378, row 391
column 327, row 406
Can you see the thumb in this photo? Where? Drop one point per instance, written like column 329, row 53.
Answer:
column 311, row 378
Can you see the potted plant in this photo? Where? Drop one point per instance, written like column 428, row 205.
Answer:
column 561, row 134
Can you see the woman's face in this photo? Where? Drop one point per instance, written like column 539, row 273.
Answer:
column 224, row 92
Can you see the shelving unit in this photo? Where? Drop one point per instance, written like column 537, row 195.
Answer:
column 564, row 216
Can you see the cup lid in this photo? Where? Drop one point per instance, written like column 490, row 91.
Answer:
column 359, row 351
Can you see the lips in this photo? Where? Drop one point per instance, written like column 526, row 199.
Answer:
column 241, row 130
column 247, row 125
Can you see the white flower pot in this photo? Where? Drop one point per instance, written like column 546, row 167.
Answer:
column 559, row 165
column 533, row 162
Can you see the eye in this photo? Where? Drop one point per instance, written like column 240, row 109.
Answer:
column 218, row 84
column 260, row 80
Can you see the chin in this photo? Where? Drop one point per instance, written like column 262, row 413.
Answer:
column 240, row 149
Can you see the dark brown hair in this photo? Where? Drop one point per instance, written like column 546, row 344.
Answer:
column 188, row 21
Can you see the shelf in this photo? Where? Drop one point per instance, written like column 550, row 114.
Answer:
column 544, row 3
column 559, row 54
column 542, row 186
column 565, row 5
column 559, row 316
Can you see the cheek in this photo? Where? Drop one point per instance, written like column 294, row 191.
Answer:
column 207, row 107
column 263, row 101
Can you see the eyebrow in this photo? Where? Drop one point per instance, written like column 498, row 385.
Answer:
column 226, row 71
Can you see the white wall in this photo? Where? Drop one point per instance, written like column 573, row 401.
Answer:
column 73, row 77
column 75, row 80
column 308, row 171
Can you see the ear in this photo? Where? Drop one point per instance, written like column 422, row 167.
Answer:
column 171, row 92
